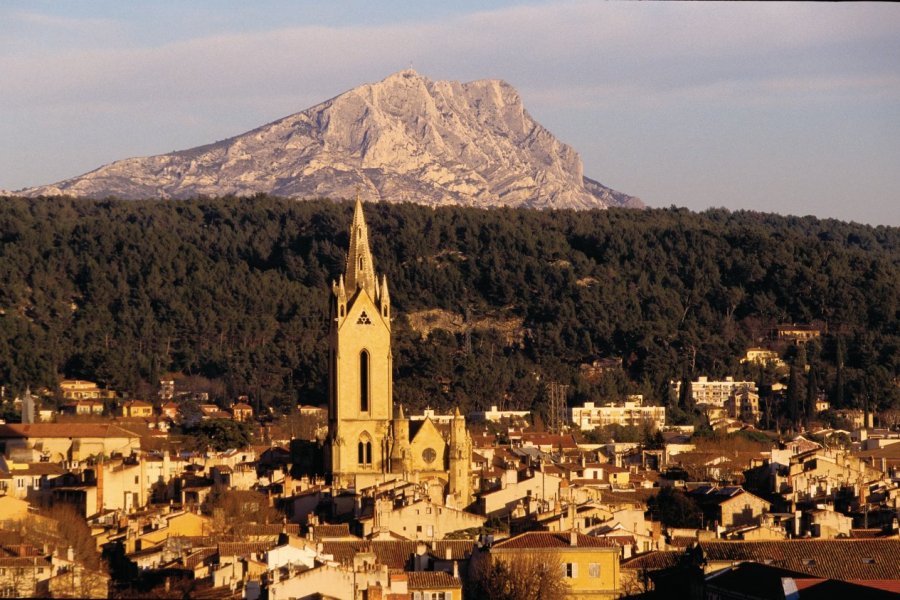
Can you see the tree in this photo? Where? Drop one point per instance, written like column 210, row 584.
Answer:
column 674, row 508
column 812, row 391
column 516, row 576
column 793, row 396
column 218, row 434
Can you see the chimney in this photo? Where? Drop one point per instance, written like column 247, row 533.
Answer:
column 99, row 470
column 573, row 538
column 448, row 553
column 70, row 554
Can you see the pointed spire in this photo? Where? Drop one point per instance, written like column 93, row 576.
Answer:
column 400, row 414
column 360, row 268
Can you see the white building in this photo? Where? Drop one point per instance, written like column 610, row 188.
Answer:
column 631, row 412
column 714, row 393
column 495, row 416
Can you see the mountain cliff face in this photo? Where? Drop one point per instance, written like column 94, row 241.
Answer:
column 406, row 138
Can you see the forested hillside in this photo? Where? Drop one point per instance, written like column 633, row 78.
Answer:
column 236, row 291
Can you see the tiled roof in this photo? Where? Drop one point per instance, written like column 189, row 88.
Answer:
column 547, row 539
column 432, row 580
column 63, row 430
column 654, row 561
column 394, row 554
column 830, row 559
column 40, row 468
column 198, row 556
column 23, row 561
column 244, row 548
column 341, row 530
column 269, row 529
column 861, row 534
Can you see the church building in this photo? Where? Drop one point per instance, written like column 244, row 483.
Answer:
column 369, row 440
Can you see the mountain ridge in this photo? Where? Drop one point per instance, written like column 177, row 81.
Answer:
column 405, row 138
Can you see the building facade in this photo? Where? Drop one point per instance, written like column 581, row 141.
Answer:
column 629, row 413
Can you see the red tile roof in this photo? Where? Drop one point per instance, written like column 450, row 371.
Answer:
column 395, row 554
column 432, row 580
column 654, row 561
column 829, row 559
column 547, row 539
column 63, row 430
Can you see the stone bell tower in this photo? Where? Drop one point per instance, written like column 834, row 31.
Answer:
column 360, row 389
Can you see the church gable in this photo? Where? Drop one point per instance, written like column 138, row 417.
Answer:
column 428, row 448
column 362, row 310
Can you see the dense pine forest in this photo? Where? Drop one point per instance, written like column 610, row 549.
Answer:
column 233, row 293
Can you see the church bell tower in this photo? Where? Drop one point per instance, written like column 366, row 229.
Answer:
column 360, row 389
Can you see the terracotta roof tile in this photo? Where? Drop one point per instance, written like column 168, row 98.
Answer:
column 654, row 561
column 547, row 539
column 244, row 548
column 63, row 430
column 830, row 559
column 432, row 580
column 321, row 532
column 394, row 554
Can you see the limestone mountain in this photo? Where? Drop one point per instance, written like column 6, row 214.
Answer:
column 405, row 138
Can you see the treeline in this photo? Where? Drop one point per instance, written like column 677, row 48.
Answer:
column 236, row 290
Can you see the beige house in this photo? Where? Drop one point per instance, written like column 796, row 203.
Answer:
column 422, row 520
column 137, row 408
column 76, row 389
column 730, row 506
column 242, row 412
column 763, row 356
column 590, row 565
column 743, row 404
column 71, row 442
column 540, row 487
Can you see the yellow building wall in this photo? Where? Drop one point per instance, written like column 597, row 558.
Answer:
column 353, row 335
column 583, row 586
column 428, row 437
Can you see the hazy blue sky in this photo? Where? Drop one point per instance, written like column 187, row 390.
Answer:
column 791, row 108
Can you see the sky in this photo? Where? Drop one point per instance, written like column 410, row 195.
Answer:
column 780, row 107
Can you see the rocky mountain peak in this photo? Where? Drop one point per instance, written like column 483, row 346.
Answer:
column 405, row 138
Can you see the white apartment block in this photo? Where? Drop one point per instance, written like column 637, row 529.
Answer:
column 714, row 393
column 630, row 412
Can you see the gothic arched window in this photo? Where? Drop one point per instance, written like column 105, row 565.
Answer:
column 368, row 453
column 364, row 381
column 361, row 453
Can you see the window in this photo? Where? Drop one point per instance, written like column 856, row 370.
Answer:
column 364, row 450
column 570, row 570
column 364, row 381
column 594, row 569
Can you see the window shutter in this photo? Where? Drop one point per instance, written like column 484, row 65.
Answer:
column 574, row 570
